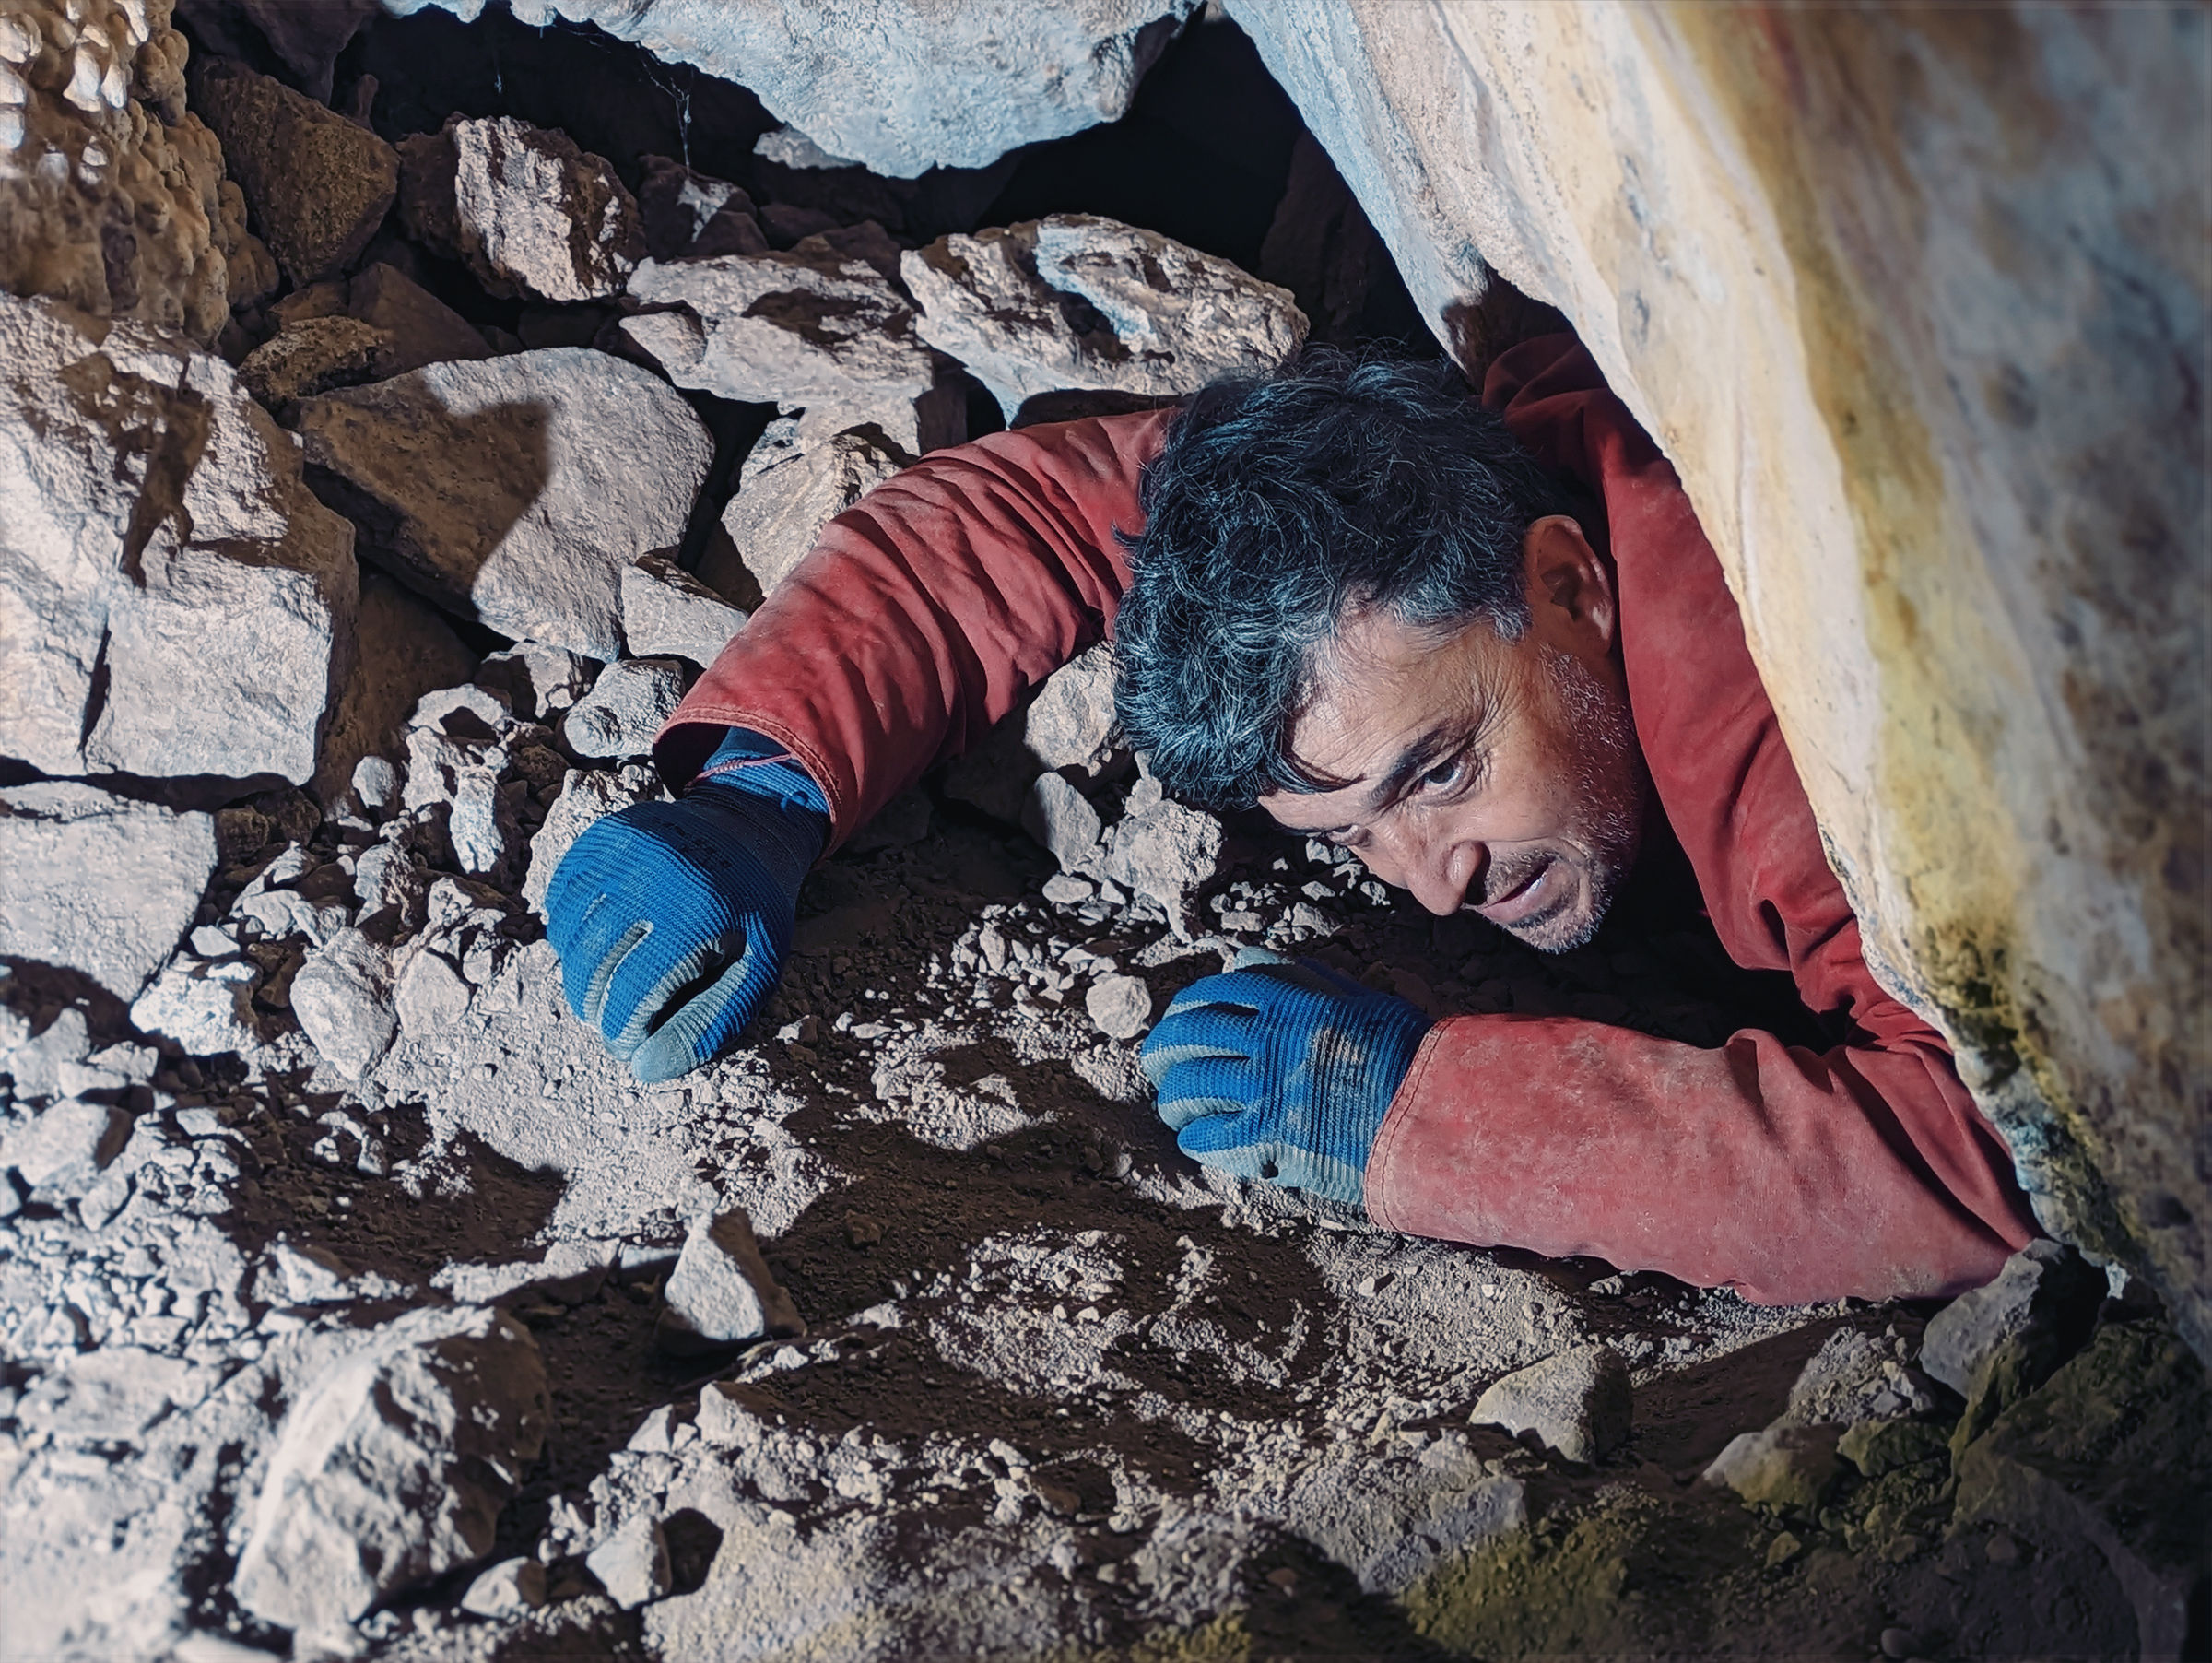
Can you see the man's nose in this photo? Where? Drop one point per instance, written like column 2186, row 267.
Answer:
column 1436, row 870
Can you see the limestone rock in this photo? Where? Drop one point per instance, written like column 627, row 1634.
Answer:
column 667, row 612
column 308, row 35
column 431, row 996
column 311, row 358
column 1855, row 1376
column 406, row 649
column 1790, row 1468
column 689, row 215
column 1119, row 1007
column 1878, row 1447
column 172, row 601
column 1166, row 852
column 523, row 208
column 98, row 883
column 393, row 1466
column 319, row 184
column 1059, row 817
column 1579, row 1403
column 61, row 1150
column 904, row 87
column 508, row 1589
column 539, row 681
column 111, row 194
column 515, row 491
column 418, row 327
column 788, row 489
column 2045, row 1285
column 625, row 708
column 207, row 1009
column 587, row 795
column 1067, row 728
column 632, row 1563
column 722, row 1292
column 801, row 329
column 1075, row 300
column 343, row 1000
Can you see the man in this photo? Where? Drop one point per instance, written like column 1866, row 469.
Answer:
column 1350, row 595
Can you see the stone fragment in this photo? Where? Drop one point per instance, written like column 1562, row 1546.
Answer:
column 570, row 1272
column 1165, row 851
column 319, row 184
column 1067, row 728
column 805, row 327
column 63, row 1148
column 99, row 883
column 523, row 208
column 1790, row 1468
column 586, row 795
column 1854, row 1376
column 515, row 491
column 406, row 648
column 413, row 326
column 342, row 997
column 667, row 612
column 111, row 194
column 1074, row 301
column 2044, row 1286
column 632, row 1563
column 431, row 996
column 2112, row 1448
column 625, row 708
column 1579, row 1403
column 1061, row 818
column 312, row 357
column 391, row 1468
column 1878, row 1447
column 905, row 87
column 207, row 1009
column 1119, row 1006
column 689, row 215
column 172, row 599
column 722, row 1292
column 508, row 1589
column 788, row 489
column 539, row 681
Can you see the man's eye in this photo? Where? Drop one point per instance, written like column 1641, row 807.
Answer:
column 1445, row 775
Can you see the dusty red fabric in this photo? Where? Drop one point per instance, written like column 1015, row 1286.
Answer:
column 1790, row 1175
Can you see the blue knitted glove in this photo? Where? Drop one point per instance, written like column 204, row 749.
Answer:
column 1282, row 1071
column 671, row 919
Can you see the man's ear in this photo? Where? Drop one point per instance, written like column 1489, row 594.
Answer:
column 1568, row 584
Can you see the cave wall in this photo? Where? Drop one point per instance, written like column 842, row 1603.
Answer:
column 1915, row 300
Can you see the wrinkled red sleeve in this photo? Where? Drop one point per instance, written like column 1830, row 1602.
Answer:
column 927, row 610
column 1790, row 1175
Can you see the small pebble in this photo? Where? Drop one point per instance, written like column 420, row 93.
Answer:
column 1119, row 1006
column 1783, row 1549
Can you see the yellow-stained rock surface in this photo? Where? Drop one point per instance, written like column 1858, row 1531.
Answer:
column 1915, row 300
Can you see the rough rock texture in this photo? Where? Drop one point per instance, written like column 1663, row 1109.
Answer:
column 665, row 610
column 415, row 326
column 1119, row 1007
column 1067, row 728
column 111, row 194
column 1856, row 1377
column 319, row 185
column 1078, row 301
column 793, row 484
column 722, row 1292
column 1787, row 1466
column 406, row 649
column 342, row 997
column 1926, row 363
column 2042, row 1286
column 307, row 35
column 905, row 86
column 392, row 1468
column 625, row 708
column 690, row 215
column 632, row 1563
column 524, row 209
column 206, row 1006
column 516, row 491
column 1061, row 818
column 173, row 601
column 98, row 883
column 1579, row 1403
column 1162, row 849
column 811, row 326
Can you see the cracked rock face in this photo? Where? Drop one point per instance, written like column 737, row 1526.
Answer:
column 1075, row 300
column 516, row 491
column 173, row 601
column 394, row 1467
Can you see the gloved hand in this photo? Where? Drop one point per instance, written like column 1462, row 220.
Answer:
column 1282, row 1071
column 671, row 919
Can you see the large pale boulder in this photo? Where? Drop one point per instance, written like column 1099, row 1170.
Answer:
column 111, row 196
column 173, row 600
column 902, row 86
column 98, row 883
column 517, row 489
column 1917, row 309
column 1075, row 300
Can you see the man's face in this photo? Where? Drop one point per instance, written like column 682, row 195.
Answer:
column 1500, row 776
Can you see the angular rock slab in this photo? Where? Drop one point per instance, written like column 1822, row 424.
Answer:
column 516, row 489
column 1077, row 300
column 721, row 1291
column 98, row 883
column 173, row 601
column 625, row 708
column 319, row 184
column 667, row 612
column 903, row 85
column 1579, row 1403
column 2045, row 1285
column 524, row 209
column 392, row 1468
column 795, row 483
column 807, row 326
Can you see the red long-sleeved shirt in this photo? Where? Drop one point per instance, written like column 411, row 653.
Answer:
column 927, row 611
